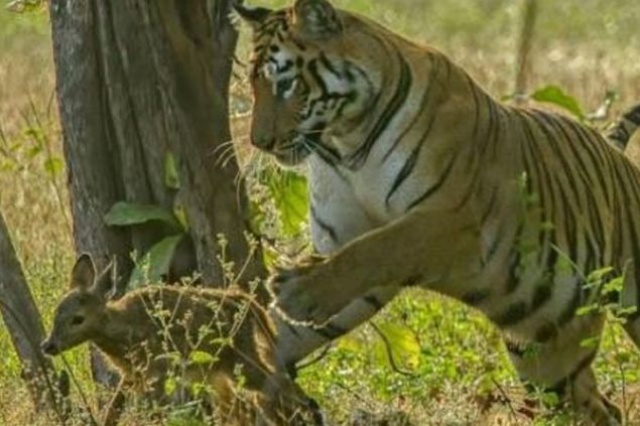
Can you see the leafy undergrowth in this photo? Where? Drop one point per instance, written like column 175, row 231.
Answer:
column 446, row 365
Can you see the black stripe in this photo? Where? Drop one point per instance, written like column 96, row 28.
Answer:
column 539, row 181
column 514, row 314
column 328, row 229
column 432, row 190
column 494, row 128
column 513, row 275
column 329, row 66
column 631, row 232
column 492, row 205
column 373, row 301
column 328, row 154
column 293, row 329
column 550, row 330
column 412, row 280
column 633, row 115
column 393, row 106
column 416, row 117
column 592, row 204
column 561, row 385
column 544, row 121
column 312, row 66
column 590, row 143
column 405, row 171
column 331, row 331
column 475, row 297
column 541, row 295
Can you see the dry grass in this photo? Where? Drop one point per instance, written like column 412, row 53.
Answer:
column 586, row 47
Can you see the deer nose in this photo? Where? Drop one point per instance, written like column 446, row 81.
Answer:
column 263, row 142
column 49, row 348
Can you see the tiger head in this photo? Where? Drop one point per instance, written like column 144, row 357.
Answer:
column 308, row 78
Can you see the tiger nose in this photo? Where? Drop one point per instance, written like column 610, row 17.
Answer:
column 263, row 142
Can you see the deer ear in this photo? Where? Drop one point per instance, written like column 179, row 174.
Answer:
column 316, row 19
column 83, row 274
column 252, row 15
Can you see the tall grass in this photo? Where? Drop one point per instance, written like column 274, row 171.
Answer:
column 585, row 46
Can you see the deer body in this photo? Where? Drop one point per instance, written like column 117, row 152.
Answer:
column 191, row 335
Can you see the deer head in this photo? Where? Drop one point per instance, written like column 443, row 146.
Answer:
column 81, row 314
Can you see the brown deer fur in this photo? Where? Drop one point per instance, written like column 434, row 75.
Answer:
column 212, row 331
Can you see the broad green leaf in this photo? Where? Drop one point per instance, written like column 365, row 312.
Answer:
column 289, row 192
column 171, row 177
column 403, row 342
column 556, row 96
column 126, row 214
column 155, row 263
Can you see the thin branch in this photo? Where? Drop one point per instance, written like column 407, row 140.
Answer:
column 389, row 350
column 530, row 12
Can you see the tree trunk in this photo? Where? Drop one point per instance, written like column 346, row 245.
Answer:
column 138, row 81
column 23, row 322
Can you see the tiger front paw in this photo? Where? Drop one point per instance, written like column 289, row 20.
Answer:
column 307, row 294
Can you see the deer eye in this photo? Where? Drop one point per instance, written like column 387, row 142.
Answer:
column 77, row 320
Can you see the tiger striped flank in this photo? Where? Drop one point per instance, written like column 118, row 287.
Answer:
column 418, row 177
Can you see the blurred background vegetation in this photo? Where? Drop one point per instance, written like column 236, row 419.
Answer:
column 452, row 364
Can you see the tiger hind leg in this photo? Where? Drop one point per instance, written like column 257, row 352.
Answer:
column 563, row 366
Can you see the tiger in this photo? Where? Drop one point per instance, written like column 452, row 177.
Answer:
column 419, row 178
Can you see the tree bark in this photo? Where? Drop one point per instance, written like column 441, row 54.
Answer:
column 24, row 324
column 138, row 80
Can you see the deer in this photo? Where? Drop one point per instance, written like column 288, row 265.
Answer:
column 192, row 335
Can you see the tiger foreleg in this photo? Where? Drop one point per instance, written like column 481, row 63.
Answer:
column 429, row 247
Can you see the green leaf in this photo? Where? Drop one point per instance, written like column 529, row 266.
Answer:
column 155, row 263
column 181, row 215
column 201, row 357
column 289, row 192
column 599, row 274
column 170, row 386
column 171, row 177
column 404, row 344
column 126, row 214
column 590, row 342
column 615, row 285
column 53, row 166
column 556, row 96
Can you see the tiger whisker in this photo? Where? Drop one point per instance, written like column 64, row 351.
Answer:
column 225, row 156
column 223, row 145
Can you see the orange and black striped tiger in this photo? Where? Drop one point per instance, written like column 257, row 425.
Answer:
column 420, row 178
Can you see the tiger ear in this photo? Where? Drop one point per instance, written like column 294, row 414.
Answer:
column 316, row 19
column 253, row 15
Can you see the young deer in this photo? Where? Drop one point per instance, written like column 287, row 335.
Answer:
column 193, row 335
